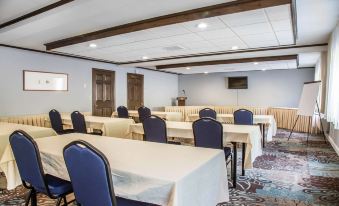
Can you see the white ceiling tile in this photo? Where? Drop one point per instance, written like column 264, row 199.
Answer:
column 259, row 37
column 253, row 29
column 212, row 24
column 244, row 18
column 258, row 44
column 138, row 36
column 170, row 30
column 197, row 45
column 184, row 38
column 277, row 13
column 216, row 34
column 228, row 42
column 285, row 37
column 282, row 25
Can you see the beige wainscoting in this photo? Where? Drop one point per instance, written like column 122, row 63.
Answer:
column 285, row 117
column 39, row 120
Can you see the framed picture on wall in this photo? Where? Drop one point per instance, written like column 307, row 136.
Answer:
column 44, row 81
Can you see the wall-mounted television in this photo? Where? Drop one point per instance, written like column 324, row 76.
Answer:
column 237, row 83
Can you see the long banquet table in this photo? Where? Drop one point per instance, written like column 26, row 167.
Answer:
column 257, row 119
column 170, row 116
column 113, row 127
column 161, row 174
column 6, row 165
column 249, row 135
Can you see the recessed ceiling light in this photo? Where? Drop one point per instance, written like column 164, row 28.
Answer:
column 205, row 72
column 92, row 45
column 263, row 70
column 235, row 47
column 202, row 25
column 145, row 57
column 188, row 68
column 256, row 63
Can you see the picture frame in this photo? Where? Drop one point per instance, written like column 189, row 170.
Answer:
column 44, row 81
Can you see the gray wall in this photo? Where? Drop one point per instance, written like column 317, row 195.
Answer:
column 279, row 88
column 159, row 88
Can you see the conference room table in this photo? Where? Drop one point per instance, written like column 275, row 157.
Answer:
column 261, row 120
column 169, row 116
column 6, row 129
column 113, row 127
column 156, row 173
column 248, row 135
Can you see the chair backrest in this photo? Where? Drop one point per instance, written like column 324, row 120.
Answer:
column 155, row 129
column 90, row 174
column 122, row 112
column 243, row 117
column 207, row 112
column 79, row 123
column 27, row 157
column 56, row 121
column 143, row 112
column 208, row 133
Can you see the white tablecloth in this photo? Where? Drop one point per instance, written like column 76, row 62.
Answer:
column 257, row 119
column 251, row 135
column 7, row 164
column 170, row 116
column 156, row 173
column 112, row 127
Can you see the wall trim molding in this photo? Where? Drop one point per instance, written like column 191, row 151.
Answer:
column 35, row 13
column 80, row 57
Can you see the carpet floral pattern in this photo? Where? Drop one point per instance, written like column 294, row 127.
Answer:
column 288, row 173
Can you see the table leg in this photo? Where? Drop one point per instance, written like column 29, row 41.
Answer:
column 234, row 166
column 243, row 159
column 263, row 135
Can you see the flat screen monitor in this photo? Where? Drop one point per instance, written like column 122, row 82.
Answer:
column 237, row 83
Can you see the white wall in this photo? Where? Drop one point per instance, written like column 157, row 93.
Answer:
column 280, row 88
column 159, row 88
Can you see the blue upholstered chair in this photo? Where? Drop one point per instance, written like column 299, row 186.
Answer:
column 209, row 133
column 243, row 117
column 56, row 123
column 28, row 160
column 155, row 129
column 122, row 112
column 143, row 112
column 79, row 124
column 95, row 186
column 207, row 112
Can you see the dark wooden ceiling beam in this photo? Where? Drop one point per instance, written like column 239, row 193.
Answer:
column 35, row 13
column 228, row 61
column 185, row 16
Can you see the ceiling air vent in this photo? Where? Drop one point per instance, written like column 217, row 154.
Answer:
column 174, row 48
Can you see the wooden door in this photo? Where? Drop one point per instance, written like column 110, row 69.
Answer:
column 135, row 90
column 103, row 92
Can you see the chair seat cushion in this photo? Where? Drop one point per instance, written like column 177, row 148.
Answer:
column 227, row 151
column 57, row 186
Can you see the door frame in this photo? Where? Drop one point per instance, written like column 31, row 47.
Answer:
column 142, row 91
column 94, row 89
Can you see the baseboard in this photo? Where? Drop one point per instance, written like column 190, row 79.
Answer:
column 330, row 140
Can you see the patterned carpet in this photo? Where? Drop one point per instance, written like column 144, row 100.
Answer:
column 289, row 173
